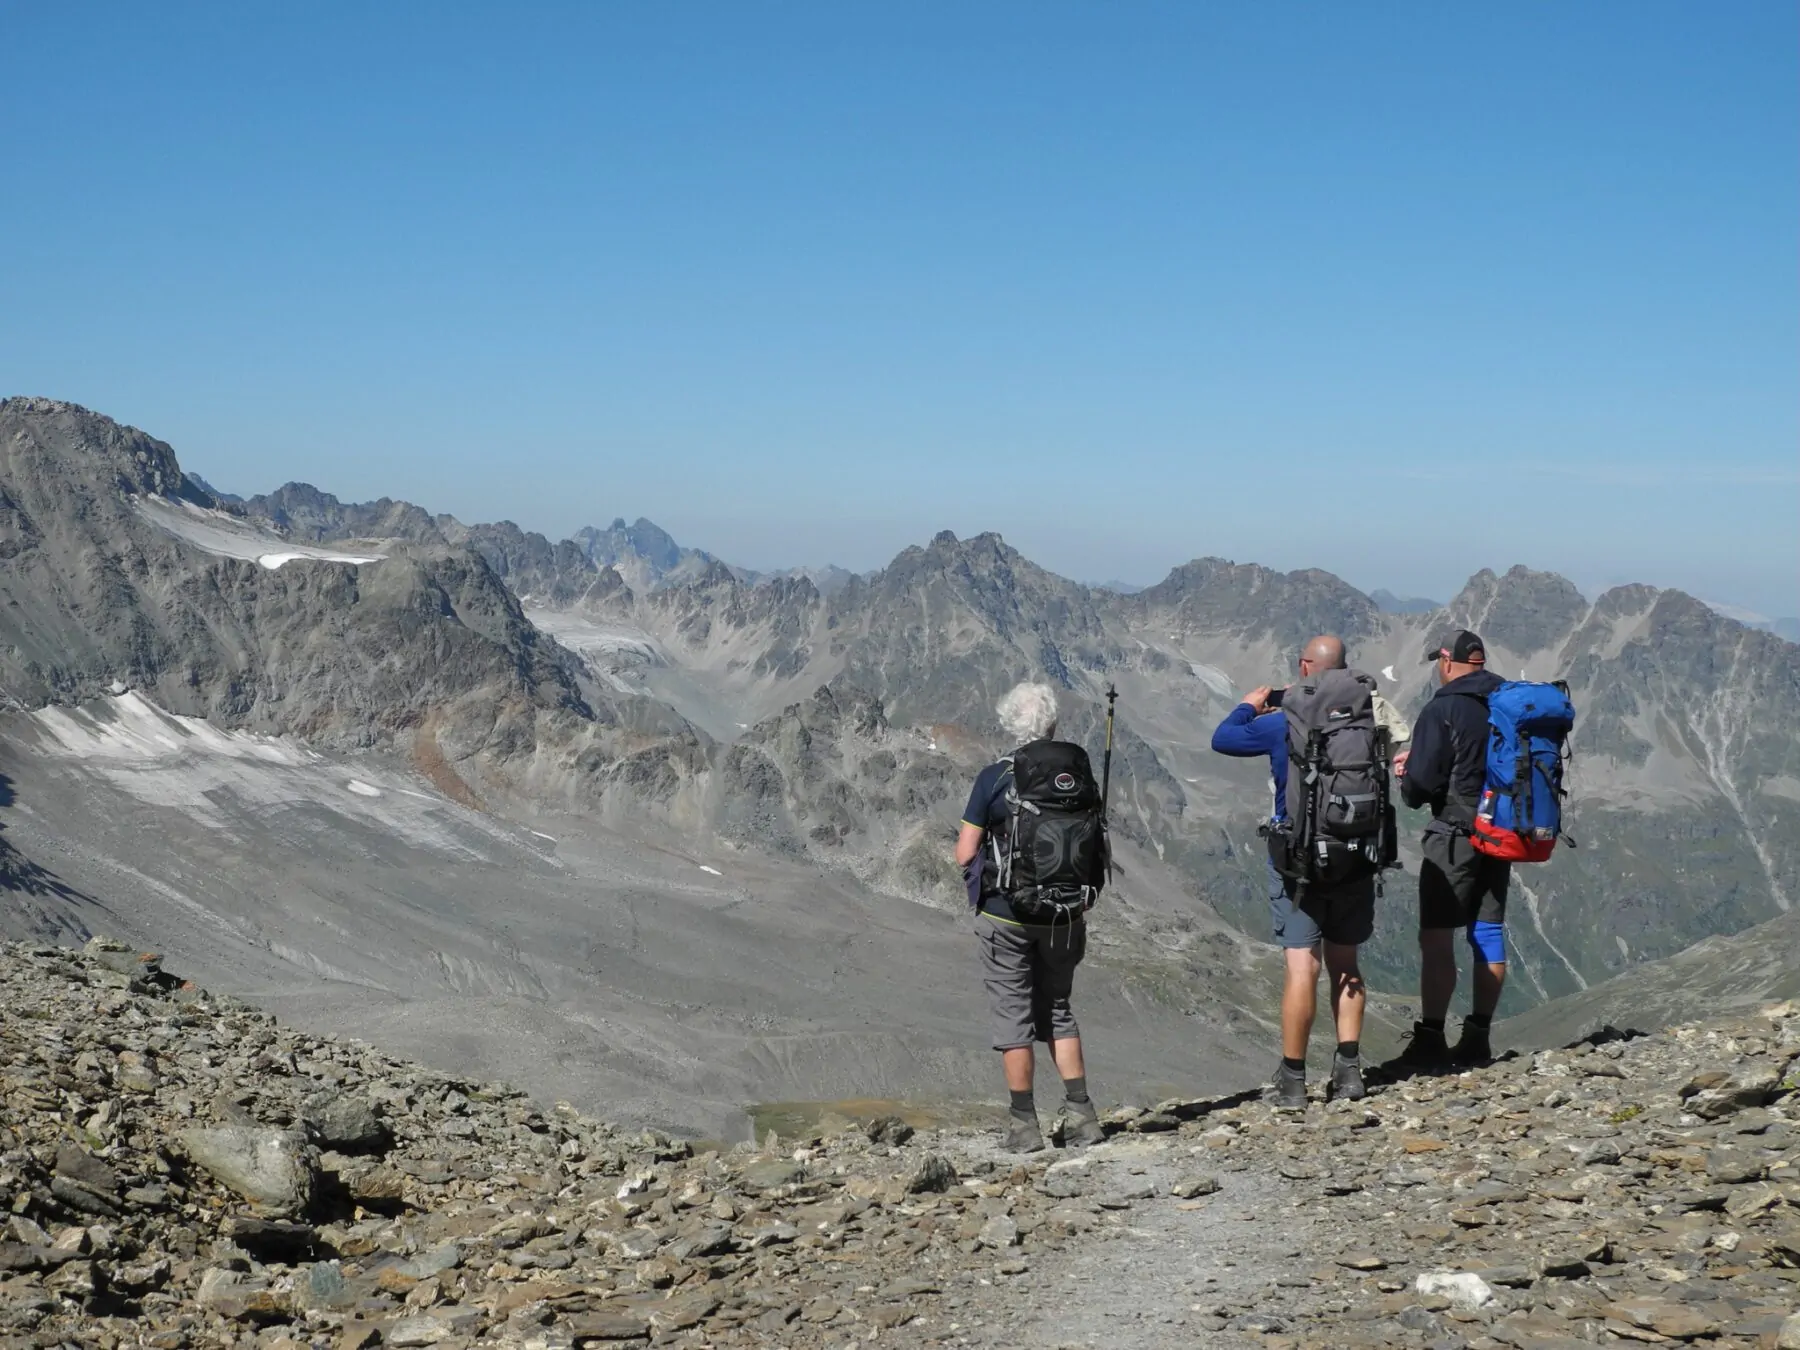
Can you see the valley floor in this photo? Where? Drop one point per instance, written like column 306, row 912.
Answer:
column 648, row 976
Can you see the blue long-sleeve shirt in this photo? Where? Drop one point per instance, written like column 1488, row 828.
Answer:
column 1244, row 735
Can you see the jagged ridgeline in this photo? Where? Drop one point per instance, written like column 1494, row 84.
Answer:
column 835, row 720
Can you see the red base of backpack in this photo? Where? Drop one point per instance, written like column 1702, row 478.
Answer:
column 1509, row 845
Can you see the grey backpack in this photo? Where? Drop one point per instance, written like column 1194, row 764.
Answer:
column 1341, row 824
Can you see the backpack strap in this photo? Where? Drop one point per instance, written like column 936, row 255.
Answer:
column 1003, row 852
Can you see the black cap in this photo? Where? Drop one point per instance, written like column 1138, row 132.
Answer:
column 1466, row 649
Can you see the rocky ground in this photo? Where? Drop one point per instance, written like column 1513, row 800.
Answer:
column 181, row 1171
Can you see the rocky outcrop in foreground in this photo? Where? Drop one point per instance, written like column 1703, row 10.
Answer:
column 180, row 1171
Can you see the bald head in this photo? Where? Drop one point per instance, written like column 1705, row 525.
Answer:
column 1324, row 652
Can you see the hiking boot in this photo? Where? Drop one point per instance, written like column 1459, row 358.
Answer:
column 1474, row 1046
column 1078, row 1125
column 1287, row 1091
column 1346, row 1080
column 1425, row 1049
column 1023, row 1134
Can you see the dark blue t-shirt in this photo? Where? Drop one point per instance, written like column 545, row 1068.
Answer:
column 987, row 811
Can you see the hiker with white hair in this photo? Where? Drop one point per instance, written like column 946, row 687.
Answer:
column 1033, row 850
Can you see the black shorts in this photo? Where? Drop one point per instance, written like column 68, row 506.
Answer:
column 1341, row 915
column 1458, row 885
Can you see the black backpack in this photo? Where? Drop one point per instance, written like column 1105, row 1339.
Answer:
column 1340, row 824
column 1052, row 856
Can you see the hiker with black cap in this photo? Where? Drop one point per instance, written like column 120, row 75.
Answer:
column 1038, row 808
column 1459, row 886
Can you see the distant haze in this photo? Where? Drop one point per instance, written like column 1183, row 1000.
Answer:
column 863, row 544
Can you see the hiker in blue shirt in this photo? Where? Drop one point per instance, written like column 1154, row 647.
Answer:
column 1335, row 919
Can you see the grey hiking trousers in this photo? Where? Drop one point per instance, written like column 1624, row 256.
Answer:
column 1029, row 971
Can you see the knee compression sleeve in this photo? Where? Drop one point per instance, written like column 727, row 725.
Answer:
column 1489, row 942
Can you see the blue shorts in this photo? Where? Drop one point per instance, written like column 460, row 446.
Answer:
column 1341, row 915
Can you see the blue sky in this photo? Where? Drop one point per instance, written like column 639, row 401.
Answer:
column 1400, row 290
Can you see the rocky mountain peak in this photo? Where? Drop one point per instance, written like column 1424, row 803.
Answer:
column 654, row 543
column 306, row 513
column 1522, row 612
column 643, row 541
column 982, row 578
column 1632, row 599
column 946, row 554
column 48, row 438
column 987, row 553
column 29, row 404
column 1216, row 595
column 1389, row 603
column 715, row 574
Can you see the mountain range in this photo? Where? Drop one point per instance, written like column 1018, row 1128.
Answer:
column 1389, row 603
column 218, row 706
column 1788, row 628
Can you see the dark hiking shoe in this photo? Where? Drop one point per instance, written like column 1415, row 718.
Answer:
column 1023, row 1134
column 1425, row 1049
column 1287, row 1091
column 1078, row 1125
column 1474, row 1047
column 1346, row 1080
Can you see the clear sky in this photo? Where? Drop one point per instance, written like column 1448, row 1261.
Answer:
column 1396, row 289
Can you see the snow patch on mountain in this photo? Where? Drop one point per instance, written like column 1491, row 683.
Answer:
column 130, row 727
column 1213, row 678
column 229, row 781
column 589, row 638
column 272, row 561
column 229, row 536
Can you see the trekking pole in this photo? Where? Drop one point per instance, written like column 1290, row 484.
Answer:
column 1112, row 697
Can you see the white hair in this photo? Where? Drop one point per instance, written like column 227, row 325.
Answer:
column 1028, row 712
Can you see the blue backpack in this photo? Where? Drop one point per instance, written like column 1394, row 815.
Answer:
column 1520, row 815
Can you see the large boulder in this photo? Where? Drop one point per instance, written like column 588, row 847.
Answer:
column 345, row 1123
column 273, row 1169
